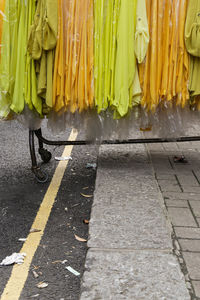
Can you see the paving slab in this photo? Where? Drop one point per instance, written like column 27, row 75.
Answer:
column 133, row 275
column 187, row 233
column 122, row 217
column 193, row 264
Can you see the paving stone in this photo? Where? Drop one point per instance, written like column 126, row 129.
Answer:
column 170, row 146
column 196, row 285
column 169, row 185
column 188, row 180
column 185, row 145
column 195, row 207
column 132, row 224
column 187, row 233
column 165, row 176
column 181, row 217
column 133, row 275
column 155, row 147
column 198, row 221
column 193, row 189
column 190, row 245
column 193, row 264
column 176, row 203
column 181, row 196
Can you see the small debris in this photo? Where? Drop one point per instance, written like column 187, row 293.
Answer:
column 15, row 258
column 86, row 221
column 66, row 209
column 35, row 274
column 42, row 285
column 33, row 230
column 91, row 166
column 85, row 188
column 80, row 239
column 86, row 196
column 64, row 261
column 57, row 262
column 77, row 204
column 36, row 267
column 63, row 158
column 22, row 240
column 35, row 296
column 73, row 271
column 180, row 159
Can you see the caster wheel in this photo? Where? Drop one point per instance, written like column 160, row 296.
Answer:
column 40, row 176
column 45, row 155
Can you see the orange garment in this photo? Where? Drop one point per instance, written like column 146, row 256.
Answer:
column 165, row 74
column 73, row 87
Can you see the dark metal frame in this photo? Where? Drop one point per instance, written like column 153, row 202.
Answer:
column 46, row 155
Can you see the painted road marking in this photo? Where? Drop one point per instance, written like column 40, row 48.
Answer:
column 19, row 273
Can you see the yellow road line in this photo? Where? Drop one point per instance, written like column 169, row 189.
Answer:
column 19, row 273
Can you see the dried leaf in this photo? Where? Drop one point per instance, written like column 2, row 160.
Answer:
column 85, row 188
column 86, row 221
column 86, row 196
column 33, row 230
column 57, row 262
column 80, row 239
column 42, row 285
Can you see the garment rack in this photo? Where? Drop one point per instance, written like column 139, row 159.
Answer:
column 46, row 155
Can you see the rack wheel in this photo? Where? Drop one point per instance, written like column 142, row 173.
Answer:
column 40, row 176
column 45, row 155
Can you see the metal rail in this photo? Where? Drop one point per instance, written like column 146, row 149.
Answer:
column 46, row 155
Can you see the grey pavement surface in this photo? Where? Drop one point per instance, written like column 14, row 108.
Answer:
column 131, row 253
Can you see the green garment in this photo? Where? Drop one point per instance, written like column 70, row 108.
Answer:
column 31, row 98
column 192, row 41
column 17, row 71
column 121, row 36
column 125, row 60
column 142, row 32
column 41, row 46
column 8, row 55
column 106, row 20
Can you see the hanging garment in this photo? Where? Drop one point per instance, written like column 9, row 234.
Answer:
column 120, row 29
column 73, row 86
column 106, row 25
column 165, row 74
column 192, row 41
column 2, row 8
column 41, row 46
column 8, row 55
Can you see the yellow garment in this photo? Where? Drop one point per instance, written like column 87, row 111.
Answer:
column 41, row 46
column 165, row 74
column 73, row 87
column 192, row 41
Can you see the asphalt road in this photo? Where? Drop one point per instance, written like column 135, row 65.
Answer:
column 20, row 199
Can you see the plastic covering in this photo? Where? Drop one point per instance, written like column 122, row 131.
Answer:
column 109, row 68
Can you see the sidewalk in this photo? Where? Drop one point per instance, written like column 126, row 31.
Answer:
column 130, row 248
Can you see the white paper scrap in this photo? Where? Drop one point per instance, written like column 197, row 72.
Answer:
column 73, row 271
column 22, row 240
column 63, row 158
column 15, row 258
